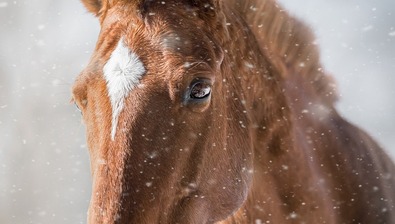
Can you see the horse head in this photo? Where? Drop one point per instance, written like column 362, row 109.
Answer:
column 168, row 134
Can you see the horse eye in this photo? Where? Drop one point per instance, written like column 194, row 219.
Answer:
column 78, row 108
column 200, row 90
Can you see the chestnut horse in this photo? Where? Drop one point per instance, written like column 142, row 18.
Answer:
column 210, row 111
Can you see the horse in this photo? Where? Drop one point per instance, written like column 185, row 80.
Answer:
column 210, row 111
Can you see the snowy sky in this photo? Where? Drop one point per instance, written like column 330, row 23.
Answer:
column 44, row 44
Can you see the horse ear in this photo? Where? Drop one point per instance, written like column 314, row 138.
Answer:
column 93, row 6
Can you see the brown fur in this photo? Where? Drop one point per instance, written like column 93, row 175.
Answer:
column 268, row 147
column 93, row 6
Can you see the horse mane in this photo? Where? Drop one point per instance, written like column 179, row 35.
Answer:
column 289, row 44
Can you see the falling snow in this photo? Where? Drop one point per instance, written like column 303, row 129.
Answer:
column 44, row 45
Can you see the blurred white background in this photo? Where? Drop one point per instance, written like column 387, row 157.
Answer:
column 44, row 165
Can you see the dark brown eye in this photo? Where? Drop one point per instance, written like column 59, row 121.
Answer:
column 200, row 90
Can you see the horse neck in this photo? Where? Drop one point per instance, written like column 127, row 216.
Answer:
column 267, row 82
column 275, row 88
column 250, row 72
